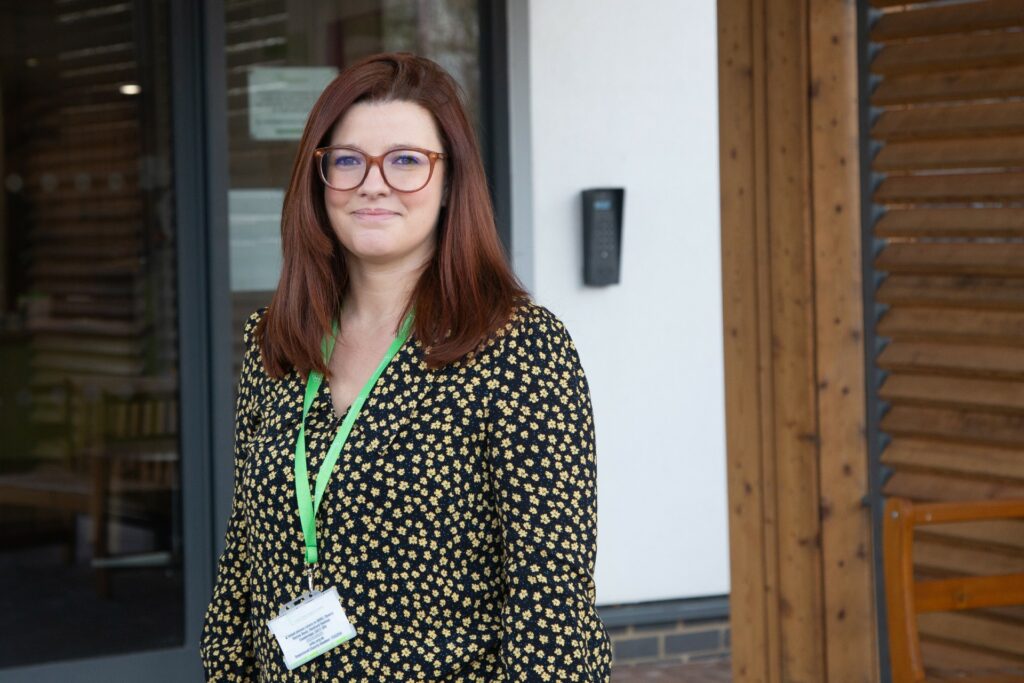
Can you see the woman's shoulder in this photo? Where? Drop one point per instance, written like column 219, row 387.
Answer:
column 251, row 351
column 532, row 327
column 534, row 319
column 249, row 328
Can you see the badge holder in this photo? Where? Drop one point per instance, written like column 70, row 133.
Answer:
column 310, row 625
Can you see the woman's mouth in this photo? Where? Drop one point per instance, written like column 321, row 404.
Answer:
column 374, row 214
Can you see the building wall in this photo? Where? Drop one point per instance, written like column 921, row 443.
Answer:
column 625, row 95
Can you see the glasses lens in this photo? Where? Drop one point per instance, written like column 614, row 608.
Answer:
column 406, row 170
column 343, row 168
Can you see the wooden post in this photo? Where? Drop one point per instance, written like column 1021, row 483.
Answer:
column 802, row 597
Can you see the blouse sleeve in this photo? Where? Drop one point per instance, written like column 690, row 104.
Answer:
column 541, row 450
column 226, row 647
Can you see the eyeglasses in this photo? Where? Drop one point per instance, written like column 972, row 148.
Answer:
column 404, row 170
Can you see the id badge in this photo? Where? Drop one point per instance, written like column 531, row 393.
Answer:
column 310, row 625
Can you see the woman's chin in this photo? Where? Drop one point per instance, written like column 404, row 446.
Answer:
column 375, row 251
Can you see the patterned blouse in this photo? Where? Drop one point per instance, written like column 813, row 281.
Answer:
column 459, row 525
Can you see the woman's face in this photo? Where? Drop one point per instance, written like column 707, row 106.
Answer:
column 375, row 223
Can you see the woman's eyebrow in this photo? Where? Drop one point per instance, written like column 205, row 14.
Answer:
column 393, row 146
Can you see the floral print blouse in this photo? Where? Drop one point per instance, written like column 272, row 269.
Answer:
column 459, row 525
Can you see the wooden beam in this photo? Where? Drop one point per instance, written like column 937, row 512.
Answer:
column 802, row 603
column 850, row 618
column 741, row 139
column 791, row 264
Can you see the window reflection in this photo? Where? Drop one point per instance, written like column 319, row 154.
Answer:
column 90, row 544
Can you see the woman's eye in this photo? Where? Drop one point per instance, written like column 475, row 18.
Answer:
column 406, row 160
column 347, row 160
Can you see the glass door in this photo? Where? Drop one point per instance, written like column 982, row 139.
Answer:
column 94, row 546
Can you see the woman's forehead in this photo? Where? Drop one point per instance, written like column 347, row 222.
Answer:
column 377, row 126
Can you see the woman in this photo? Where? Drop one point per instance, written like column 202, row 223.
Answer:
column 451, row 536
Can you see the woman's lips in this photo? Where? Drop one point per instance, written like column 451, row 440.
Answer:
column 374, row 214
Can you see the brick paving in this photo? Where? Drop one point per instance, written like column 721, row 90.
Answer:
column 673, row 672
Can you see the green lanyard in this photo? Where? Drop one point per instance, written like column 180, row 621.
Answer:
column 308, row 506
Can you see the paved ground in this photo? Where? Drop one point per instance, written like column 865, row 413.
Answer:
column 699, row 672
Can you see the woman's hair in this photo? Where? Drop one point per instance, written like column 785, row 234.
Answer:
column 466, row 292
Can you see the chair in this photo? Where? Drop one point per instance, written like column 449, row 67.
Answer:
column 906, row 598
column 133, row 448
column 123, row 462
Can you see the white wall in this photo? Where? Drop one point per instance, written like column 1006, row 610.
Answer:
column 625, row 94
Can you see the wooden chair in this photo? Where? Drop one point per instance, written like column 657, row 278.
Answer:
column 134, row 455
column 906, row 598
column 123, row 463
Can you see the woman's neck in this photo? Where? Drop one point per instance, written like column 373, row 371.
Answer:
column 377, row 295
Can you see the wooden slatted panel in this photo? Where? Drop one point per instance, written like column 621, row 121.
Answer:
column 949, row 87
column 949, row 655
column 951, row 221
column 952, row 291
column 958, row 188
column 957, row 120
column 938, row 19
column 941, row 360
column 950, row 188
column 953, row 258
column 996, row 536
column 956, row 153
column 949, row 54
column 951, row 424
column 956, row 458
column 97, row 167
column 909, row 323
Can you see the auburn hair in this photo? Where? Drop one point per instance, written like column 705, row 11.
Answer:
column 467, row 291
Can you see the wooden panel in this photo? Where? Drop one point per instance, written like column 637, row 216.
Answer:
column 849, row 617
column 961, row 120
column 753, row 612
column 951, row 53
column 953, row 325
column 953, row 258
column 936, row 20
column 799, row 536
column 954, row 360
column 956, row 458
column 791, row 287
column 962, row 188
column 961, row 392
column 962, row 426
column 929, row 486
column 969, row 84
column 950, row 154
column 1002, row 536
column 949, row 291
column 975, row 630
column 90, row 253
column 946, row 655
column 952, row 222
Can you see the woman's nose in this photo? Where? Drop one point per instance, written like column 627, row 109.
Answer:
column 374, row 181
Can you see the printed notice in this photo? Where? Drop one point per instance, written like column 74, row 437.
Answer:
column 281, row 97
column 254, row 226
